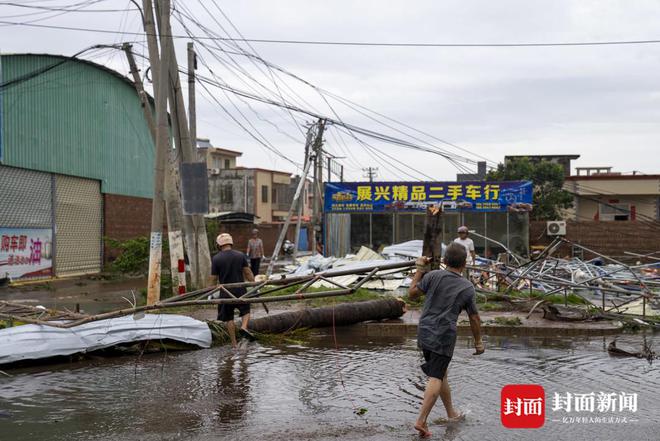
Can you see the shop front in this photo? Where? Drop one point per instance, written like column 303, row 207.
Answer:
column 377, row 214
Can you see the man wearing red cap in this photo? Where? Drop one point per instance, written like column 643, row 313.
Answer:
column 231, row 266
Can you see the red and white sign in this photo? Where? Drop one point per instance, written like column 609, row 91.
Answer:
column 25, row 253
column 522, row 406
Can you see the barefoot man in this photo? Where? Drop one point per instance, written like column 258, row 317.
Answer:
column 231, row 266
column 447, row 294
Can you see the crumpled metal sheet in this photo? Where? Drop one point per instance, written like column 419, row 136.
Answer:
column 32, row 342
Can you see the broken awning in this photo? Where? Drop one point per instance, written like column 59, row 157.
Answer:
column 33, row 342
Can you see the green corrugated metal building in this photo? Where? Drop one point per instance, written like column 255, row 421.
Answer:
column 76, row 164
column 76, row 118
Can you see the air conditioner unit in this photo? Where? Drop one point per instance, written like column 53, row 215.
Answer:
column 214, row 171
column 556, row 228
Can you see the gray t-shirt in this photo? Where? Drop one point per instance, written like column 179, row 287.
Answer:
column 447, row 294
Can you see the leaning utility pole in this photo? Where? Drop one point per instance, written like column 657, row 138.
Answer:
column 162, row 144
column 172, row 196
column 296, row 196
column 301, row 201
column 192, row 107
column 200, row 258
column 318, row 184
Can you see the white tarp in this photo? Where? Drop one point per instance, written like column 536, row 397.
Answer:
column 31, row 342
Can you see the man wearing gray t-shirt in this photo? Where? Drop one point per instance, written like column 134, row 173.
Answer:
column 447, row 294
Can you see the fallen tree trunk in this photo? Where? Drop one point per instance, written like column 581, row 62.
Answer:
column 344, row 314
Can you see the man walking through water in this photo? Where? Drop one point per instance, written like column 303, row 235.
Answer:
column 231, row 266
column 447, row 294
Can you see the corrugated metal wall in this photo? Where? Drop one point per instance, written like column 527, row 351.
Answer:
column 78, row 226
column 337, row 234
column 25, row 198
column 76, row 119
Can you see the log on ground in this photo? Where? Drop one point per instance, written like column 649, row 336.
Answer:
column 344, row 314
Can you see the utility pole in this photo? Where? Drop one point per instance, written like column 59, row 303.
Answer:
column 162, row 143
column 318, row 184
column 301, row 201
column 296, row 196
column 172, row 196
column 192, row 107
column 200, row 256
column 370, row 172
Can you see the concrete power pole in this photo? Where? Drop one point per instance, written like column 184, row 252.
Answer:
column 172, row 196
column 160, row 160
column 194, row 225
column 301, row 201
column 318, row 184
column 296, row 198
column 370, row 172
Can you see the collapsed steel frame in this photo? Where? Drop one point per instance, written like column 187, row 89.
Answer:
column 545, row 273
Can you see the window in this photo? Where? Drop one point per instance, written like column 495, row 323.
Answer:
column 227, row 163
column 273, row 197
column 614, row 212
column 264, row 194
column 227, row 194
column 216, row 163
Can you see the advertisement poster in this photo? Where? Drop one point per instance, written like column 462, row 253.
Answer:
column 26, row 253
column 355, row 197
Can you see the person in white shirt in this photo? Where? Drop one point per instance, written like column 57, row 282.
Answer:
column 464, row 240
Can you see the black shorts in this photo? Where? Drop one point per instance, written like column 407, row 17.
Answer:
column 226, row 312
column 436, row 364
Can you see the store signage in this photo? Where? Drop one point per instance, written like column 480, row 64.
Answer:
column 25, row 253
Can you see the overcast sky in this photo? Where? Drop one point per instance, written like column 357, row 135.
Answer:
column 602, row 102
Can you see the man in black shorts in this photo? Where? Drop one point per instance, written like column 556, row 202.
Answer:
column 231, row 266
column 447, row 294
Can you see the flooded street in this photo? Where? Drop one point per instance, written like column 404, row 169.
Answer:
column 311, row 392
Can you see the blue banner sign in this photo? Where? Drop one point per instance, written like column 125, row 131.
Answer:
column 416, row 196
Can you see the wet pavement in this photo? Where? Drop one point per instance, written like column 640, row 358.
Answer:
column 310, row 391
column 90, row 294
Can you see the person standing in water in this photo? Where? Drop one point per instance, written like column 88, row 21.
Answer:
column 255, row 251
column 447, row 294
column 231, row 266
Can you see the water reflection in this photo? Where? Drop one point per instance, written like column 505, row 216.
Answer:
column 234, row 388
column 310, row 392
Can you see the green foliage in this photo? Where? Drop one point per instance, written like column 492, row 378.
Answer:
column 134, row 255
column 212, row 231
column 507, row 321
column 360, row 295
column 548, row 180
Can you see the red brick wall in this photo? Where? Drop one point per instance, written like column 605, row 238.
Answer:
column 608, row 238
column 124, row 217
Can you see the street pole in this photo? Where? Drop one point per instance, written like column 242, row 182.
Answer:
column 172, row 196
column 301, row 201
column 318, row 180
column 162, row 141
column 287, row 222
column 192, row 107
column 200, row 258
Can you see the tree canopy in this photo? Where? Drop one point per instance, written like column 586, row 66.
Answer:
column 548, row 180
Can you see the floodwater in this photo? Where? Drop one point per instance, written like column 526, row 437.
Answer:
column 311, row 391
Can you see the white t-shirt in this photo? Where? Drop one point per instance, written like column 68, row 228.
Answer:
column 469, row 246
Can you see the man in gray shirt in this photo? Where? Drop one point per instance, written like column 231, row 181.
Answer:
column 447, row 294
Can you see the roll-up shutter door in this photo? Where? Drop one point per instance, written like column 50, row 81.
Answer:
column 25, row 198
column 78, row 225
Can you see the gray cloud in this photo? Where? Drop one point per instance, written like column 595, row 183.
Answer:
column 601, row 102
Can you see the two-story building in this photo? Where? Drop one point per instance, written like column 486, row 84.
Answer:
column 604, row 195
